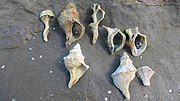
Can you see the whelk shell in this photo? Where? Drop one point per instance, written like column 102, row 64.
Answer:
column 45, row 17
column 137, row 41
column 70, row 23
column 115, row 39
column 97, row 16
column 75, row 64
column 124, row 74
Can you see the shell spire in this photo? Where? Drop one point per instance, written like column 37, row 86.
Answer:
column 124, row 74
column 75, row 64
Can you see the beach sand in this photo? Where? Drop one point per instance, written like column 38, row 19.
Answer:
column 32, row 70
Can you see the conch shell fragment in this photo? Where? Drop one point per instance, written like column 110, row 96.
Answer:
column 70, row 23
column 75, row 64
column 145, row 73
column 97, row 16
column 115, row 39
column 137, row 41
column 124, row 74
column 45, row 16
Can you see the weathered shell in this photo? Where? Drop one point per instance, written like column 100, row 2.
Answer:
column 70, row 23
column 97, row 16
column 45, row 16
column 145, row 73
column 124, row 74
column 115, row 39
column 46, row 13
column 75, row 64
column 137, row 41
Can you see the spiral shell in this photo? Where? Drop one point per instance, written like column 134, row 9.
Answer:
column 70, row 23
column 124, row 74
column 137, row 41
column 75, row 64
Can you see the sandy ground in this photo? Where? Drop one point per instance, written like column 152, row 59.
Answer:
column 32, row 70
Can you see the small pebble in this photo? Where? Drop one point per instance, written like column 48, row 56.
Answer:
column 50, row 71
column 3, row 66
column 33, row 58
column 59, row 61
column 40, row 98
column 170, row 90
column 30, row 49
column 40, row 56
column 109, row 92
column 145, row 96
column 13, row 60
column 54, row 28
column 105, row 98
column 51, row 95
column 13, row 99
column 140, row 57
column 33, row 37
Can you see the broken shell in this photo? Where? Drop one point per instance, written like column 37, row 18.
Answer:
column 97, row 16
column 145, row 73
column 137, row 41
column 115, row 39
column 70, row 23
column 45, row 16
column 124, row 74
column 75, row 64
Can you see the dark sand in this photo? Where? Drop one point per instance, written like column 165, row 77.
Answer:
column 23, row 79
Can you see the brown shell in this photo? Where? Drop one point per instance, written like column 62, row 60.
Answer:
column 70, row 23
column 137, row 41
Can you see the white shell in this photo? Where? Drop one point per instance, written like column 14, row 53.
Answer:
column 45, row 16
column 124, row 74
column 137, row 41
column 97, row 16
column 112, row 34
column 46, row 12
column 75, row 64
column 145, row 73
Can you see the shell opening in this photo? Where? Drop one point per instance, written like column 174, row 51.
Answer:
column 117, row 40
column 139, row 41
column 76, row 30
column 99, row 15
column 96, row 6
